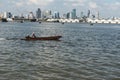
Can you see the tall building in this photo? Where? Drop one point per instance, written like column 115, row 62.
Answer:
column 71, row 15
column 64, row 16
column 38, row 13
column 98, row 15
column 31, row 16
column 88, row 14
column 1, row 15
column 56, row 15
column 74, row 14
column 82, row 14
column 47, row 14
column 21, row 16
column 68, row 15
column 7, row 15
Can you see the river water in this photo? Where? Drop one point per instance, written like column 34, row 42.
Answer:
column 83, row 53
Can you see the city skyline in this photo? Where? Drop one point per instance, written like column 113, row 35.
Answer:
column 106, row 8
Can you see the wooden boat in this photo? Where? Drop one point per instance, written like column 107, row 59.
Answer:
column 42, row 38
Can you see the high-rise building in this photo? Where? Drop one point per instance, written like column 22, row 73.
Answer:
column 38, row 13
column 98, row 15
column 71, row 15
column 81, row 15
column 31, row 15
column 1, row 15
column 47, row 14
column 88, row 14
column 56, row 15
column 64, row 16
column 21, row 16
column 7, row 15
column 74, row 14
column 68, row 15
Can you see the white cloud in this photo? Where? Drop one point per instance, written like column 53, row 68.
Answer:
column 33, row 2
column 19, row 4
column 93, row 5
column 75, row 2
column 40, row 2
column 113, row 6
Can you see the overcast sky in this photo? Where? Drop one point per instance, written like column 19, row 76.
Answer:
column 106, row 8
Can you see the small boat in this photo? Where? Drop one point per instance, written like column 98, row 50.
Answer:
column 21, row 21
column 42, row 38
column 91, row 24
column 62, row 22
column 39, row 22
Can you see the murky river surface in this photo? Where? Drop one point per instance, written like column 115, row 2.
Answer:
column 84, row 53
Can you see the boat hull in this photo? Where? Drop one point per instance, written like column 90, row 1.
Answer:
column 43, row 38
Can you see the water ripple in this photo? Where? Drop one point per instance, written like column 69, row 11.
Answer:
column 84, row 52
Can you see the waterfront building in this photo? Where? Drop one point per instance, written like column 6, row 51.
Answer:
column 71, row 15
column 7, row 15
column 74, row 14
column 69, row 20
column 88, row 14
column 98, row 15
column 38, row 13
column 68, row 15
column 64, row 16
column 56, row 15
column 31, row 15
column 1, row 15
column 64, row 20
column 15, row 17
column 81, row 15
column 21, row 16
column 106, row 21
column 47, row 14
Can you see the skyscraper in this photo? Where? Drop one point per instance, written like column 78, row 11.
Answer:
column 7, row 15
column 98, row 15
column 81, row 15
column 88, row 15
column 74, row 14
column 38, row 13
column 31, row 15
column 68, row 15
column 56, row 15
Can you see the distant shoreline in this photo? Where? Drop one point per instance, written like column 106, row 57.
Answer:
column 89, row 21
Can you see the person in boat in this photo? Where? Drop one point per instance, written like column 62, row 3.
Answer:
column 27, row 36
column 33, row 35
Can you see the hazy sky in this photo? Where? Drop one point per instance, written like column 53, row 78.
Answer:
column 106, row 8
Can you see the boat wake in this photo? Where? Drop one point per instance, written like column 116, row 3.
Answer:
column 38, row 38
column 1, row 39
column 12, row 38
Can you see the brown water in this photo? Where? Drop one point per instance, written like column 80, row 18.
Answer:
column 84, row 53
